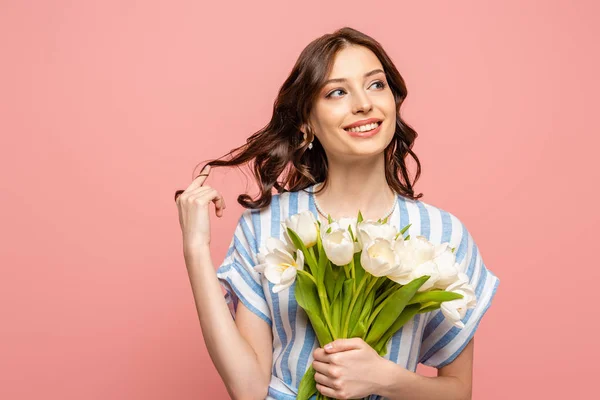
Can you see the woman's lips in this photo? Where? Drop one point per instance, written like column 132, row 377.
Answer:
column 367, row 133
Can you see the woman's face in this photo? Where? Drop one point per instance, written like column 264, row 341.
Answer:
column 363, row 94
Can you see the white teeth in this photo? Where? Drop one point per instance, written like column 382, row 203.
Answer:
column 363, row 128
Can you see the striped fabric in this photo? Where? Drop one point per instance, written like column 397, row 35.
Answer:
column 428, row 338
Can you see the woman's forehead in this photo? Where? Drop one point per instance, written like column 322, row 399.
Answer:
column 353, row 62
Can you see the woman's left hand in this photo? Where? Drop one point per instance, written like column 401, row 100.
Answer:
column 348, row 369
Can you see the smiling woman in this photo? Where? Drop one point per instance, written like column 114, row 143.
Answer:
column 334, row 77
column 336, row 125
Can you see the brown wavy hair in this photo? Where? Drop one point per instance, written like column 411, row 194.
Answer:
column 280, row 145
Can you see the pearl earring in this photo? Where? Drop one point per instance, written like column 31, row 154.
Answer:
column 310, row 145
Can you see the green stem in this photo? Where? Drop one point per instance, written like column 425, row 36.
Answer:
column 380, row 282
column 325, row 307
column 314, row 258
column 346, row 271
column 323, row 299
column 371, row 285
column 312, row 278
column 353, row 274
column 349, row 310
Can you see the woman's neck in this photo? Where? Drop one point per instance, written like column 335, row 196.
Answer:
column 350, row 188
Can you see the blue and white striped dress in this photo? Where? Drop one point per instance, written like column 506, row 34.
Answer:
column 428, row 338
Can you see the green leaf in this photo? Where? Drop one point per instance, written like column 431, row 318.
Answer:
column 359, row 218
column 359, row 271
column 381, row 281
column 359, row 304
column 392, row 308
column 330, row 281
column 407, row 314
column 309, row 259
column 323, row 261
column 361, row 327
column 337, row 289
column 347, row 290
column 405, row 229
column 308, row 385
column 434, row 295
column 429, row 307
column 296, row 239
column 402, row 231
column 336, row 313
column 308, row 298
column 351, row 233
column 385, row 289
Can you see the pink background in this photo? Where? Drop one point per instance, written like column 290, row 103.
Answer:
column 106, row 107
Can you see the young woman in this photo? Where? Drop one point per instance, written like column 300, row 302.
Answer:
column 336, row 144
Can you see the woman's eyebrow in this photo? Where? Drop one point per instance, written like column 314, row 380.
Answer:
column 375, row 71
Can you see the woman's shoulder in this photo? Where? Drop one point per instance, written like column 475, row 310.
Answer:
column 431, row 220
column 281, row 206
column 427, row 209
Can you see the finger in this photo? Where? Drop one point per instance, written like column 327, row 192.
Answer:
column 321, row 367
column 327, row 391
column 216, row 197
column 186, row 194
column 178, row 193
column 325, row 380
column 343, row 345
column 196, row 183
column 320, row 355
column 199, row 180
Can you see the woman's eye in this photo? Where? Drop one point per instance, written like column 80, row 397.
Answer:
column 381, row 83
column 336, row 90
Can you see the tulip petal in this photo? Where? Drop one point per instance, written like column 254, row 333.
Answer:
column 279, row 288
column 273, row 273
column 288, row 275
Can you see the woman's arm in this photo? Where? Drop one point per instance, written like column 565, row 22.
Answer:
column 454, row 381
column 242, row 349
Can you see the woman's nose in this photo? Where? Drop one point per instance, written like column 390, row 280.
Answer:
column 362, row 103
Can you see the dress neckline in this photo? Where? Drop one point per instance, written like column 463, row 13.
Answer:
column 319, row 216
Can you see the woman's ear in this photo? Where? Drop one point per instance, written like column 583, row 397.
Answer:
column 303, row 129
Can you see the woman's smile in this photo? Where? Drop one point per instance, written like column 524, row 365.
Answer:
column 372, row 130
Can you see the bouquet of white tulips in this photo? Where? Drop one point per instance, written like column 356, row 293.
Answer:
column 357, row 278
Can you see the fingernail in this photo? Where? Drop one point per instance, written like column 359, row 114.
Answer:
column 328, row 347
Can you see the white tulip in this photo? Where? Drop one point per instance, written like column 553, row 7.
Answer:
column 304, row 225
column 378, row 257
column 462, row 283
column 338, row 246
column 445, row 260
column 280, row 268
column 270, row 245
column 413, row 252
column 369, row 230
column 415, row 259
column 455, row 310
column 348, row 223
column 427, row 268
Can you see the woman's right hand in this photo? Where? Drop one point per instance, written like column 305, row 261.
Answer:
column 193, row 207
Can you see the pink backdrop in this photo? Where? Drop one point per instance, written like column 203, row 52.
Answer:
column 106, row 107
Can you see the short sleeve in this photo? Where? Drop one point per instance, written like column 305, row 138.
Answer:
column 237, row 274
column 442, row 342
